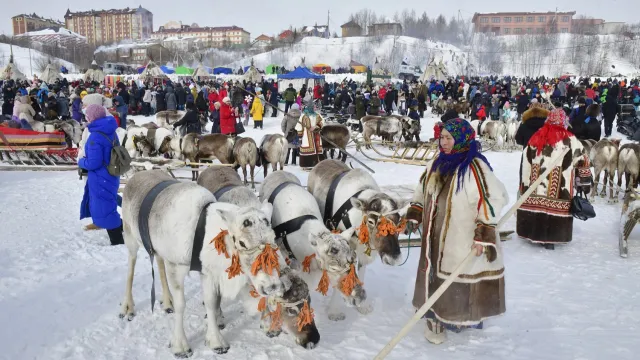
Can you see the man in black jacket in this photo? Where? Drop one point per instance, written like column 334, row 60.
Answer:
column 190, row 120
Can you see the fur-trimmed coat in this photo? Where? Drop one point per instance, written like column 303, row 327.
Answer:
column 532, row 121
column 470, row 219
column 545, row 216
column 592, row 129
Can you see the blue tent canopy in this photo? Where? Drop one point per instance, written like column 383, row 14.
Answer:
column 167, row 70
column 301, row 73
column 222, row 70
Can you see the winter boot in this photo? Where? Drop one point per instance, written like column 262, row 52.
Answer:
column 434, row 332
column 115, row 236
column 549, row 246
column 286, row 161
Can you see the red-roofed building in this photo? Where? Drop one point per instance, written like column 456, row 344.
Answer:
column 287, row 34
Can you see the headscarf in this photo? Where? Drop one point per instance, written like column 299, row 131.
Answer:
column 465, row 150
column 553, row 131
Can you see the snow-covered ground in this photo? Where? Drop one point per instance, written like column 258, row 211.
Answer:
column 60, row 289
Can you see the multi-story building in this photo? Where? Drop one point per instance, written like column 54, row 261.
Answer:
column 518, row 23
column 133, row 53
column 108, row 26
column 385, row 29
column 24, row 23
column 351, row 29
column 212, row 36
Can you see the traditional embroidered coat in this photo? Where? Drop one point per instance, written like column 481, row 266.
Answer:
column 545, row 216
column 310, row 142
column 468, row 216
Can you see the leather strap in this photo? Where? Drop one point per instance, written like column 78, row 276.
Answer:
column 289, row 227
column 198, row 240
column 143, row 226
column 279, row 188
column 223, row 191
column 343, row 213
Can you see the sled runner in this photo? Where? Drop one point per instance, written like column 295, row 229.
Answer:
column 32, row 150
column 409, row 152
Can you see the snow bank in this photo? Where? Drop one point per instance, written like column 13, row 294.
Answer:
column 21, row 59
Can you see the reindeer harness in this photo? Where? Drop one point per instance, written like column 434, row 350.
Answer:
column 290, row 226
column 332, row 221
column 143, row 226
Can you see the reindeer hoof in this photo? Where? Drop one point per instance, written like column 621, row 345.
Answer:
column 184, row 354
column 337, row 317
column 128, row 316
column 273, row 334
column 221, row 326
column 221, row 350
column 168, row 311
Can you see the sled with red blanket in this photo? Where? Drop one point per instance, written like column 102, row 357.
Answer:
column 32, row 150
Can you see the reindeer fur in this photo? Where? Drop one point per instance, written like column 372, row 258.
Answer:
column 273, row 150
column 604, row 157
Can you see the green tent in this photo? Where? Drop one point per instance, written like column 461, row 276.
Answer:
column 183, row 70
column 270, row 69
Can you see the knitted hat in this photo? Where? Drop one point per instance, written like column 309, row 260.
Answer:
column 94, row 112
column 557, row 117
column 226, row 100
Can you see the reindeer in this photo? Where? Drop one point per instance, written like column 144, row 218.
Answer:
column 194, row 147
column 512, row 130
column 298, row 223
column 604, row 156
column 225, row 184
column 338, row 134
column 245, row 153
column 351, row 197
column 167, row 118
column 273, row 150
column 245, row 234
column 629, row 165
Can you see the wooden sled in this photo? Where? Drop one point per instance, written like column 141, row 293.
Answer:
column 408, row 153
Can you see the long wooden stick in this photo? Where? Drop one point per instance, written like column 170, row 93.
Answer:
column 436, row 295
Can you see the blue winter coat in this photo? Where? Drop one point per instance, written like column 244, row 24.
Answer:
column 100, row 200
column 76, row 108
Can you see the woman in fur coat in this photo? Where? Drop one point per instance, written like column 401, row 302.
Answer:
column 458, row 202
column 288, row 126
column 532, row 120
column 545, row 217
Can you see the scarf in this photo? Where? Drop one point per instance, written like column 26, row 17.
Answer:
column 553, row 131
column 464, row 151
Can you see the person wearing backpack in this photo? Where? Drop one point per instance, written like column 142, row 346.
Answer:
column 100, row 200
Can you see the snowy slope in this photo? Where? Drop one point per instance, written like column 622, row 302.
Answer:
column 60, row 289
column 21, row 59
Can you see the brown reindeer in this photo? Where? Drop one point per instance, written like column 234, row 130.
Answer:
column 629, row 165
column 196, row 147
column 604, row 156
column 338, row 134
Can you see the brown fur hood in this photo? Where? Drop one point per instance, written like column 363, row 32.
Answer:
column 593, row 110
column 535, row 113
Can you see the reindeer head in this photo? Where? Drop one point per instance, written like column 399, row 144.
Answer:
column 250, row 231
column 378, row 209
column 292, row 304
column 165, row 146
column 334, row 253
column 142, row 144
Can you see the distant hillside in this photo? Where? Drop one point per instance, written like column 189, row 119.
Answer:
column 21, row 59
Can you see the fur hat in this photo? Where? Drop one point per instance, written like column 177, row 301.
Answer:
column 295, row 107
column 226, row 100
column 94, row 112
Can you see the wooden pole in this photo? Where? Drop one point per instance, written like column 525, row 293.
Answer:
column 432, row 300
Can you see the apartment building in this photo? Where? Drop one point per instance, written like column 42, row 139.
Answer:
column 212, row 36
column 109, row 26
column 518, row 23
column 24, row 23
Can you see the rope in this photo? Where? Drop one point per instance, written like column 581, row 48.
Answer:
column 409, row 247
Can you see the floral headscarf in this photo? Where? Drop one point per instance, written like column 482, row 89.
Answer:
column 553, row 131
column 465, row 150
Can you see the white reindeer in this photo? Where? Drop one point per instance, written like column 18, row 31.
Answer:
column 172, row 224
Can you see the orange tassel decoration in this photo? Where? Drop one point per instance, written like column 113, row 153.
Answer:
column 276, row 318
column 350, row 281
column 235, row 269
column 336, row 231
column 219, row 243
column 262, row 304
column 363, row 231
column 305, row 317
column 267, row 261
column 323, row 285
column 385, row 227
column 254, row 294
column 306, row 263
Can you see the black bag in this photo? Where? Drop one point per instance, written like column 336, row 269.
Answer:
column 239, row 128
column 581, row 208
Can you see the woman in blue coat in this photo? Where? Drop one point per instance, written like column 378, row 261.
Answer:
column 100, row 200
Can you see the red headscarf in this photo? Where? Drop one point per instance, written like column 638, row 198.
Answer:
column 553, row 131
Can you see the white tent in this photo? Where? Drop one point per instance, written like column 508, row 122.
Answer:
column 434, row 72
column 94, row 73
column 252, row 75
column 50, row 74
column 152, row 71
column 200, row 73
column 11, row 72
